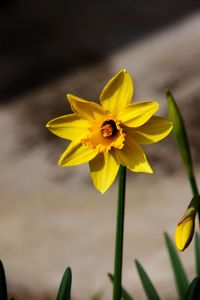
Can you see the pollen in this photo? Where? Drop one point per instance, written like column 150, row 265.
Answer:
column 108, row 128
column 105, row 133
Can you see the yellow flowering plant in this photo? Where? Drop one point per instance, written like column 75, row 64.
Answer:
column 109, row 134
column 185, row 229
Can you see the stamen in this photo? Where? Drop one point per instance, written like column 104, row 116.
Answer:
column 108, row 128
column 104, row 135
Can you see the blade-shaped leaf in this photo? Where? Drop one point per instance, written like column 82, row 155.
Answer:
column 65, row 286
column 197, row 253
column 181, row 138
column 193, row 291
column 150, row 290
column 179, row 131
column 3, row 286
column 178, row 270
column 125, row 294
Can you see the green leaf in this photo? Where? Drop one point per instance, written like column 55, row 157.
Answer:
column 193, row 291
column 3, row 286
column 65, row 286
column 125, row 294
column 179, row 132
column 197, row 253
column 150, row 290
column 181, row 138
column 178, row 270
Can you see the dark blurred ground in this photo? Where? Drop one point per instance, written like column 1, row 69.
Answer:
column 42, row 40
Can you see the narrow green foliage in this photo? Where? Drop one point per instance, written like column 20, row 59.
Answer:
column 125, row 294
column 178, row 270
column 179, row 132
column 193, row 291
column 3, row 286
column 197, row 253
column 65, row 286
column 150, row 290
column 181, row 138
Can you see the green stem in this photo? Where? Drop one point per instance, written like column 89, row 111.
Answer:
column 117, row 285
column 195, row 191
column 193, row 185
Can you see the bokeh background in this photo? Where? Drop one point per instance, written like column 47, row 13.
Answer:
column 52, row 217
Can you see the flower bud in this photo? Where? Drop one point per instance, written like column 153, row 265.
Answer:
column 184, row 231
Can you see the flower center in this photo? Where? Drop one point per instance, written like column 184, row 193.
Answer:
column 104, row 134
column 109, row 128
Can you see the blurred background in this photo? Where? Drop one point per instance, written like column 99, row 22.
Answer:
column 52, row 217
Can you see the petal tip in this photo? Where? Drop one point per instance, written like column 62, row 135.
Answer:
column 60, row 162
column 180, row 248
column 156, row 106
column 69, row 97
column 149, row 170
column 103, row 190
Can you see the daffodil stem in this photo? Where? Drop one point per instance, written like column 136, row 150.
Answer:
column 195, row 191
column 193, row 185
column 117, row 284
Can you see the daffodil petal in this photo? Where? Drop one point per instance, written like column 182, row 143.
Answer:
column 118, row 92
column 153, row 131
column 103, row 170
column 76, row 154
column 136, row 114
column 69, row 126
column 87, row 109
column 132, row 156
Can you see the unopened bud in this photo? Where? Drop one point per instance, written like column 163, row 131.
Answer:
column 185, row 228
column 185, row 231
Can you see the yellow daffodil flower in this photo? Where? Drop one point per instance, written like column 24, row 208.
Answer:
column 109, row 135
